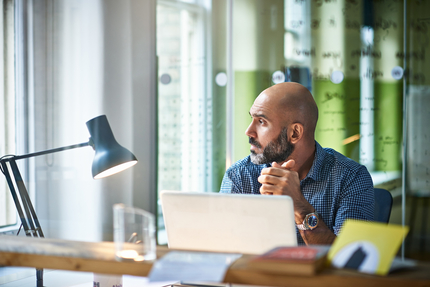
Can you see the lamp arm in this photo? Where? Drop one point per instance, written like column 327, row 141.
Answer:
column 27, row 214
column 51, row 150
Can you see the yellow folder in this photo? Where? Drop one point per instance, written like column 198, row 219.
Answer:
column 368, row 247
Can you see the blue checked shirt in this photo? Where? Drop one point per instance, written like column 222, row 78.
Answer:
column 336, row 186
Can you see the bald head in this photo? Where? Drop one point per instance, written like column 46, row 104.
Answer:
column 293, row 103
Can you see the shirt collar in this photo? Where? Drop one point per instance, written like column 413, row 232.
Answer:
column 315, row 170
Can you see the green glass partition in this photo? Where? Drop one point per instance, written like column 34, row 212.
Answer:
column 366, row 64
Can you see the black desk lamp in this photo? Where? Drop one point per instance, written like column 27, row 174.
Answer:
column 110, row 158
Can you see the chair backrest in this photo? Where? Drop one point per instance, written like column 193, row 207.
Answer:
column 383, row 204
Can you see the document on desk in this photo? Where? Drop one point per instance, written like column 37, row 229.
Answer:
column 190, row 266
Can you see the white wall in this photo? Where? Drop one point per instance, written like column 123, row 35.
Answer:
column 92, row 57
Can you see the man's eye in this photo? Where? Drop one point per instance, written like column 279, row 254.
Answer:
column 261, row 121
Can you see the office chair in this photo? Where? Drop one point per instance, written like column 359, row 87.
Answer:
column 383, row 204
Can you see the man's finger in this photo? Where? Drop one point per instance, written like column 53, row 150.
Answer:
column 265, row 190
column 274, row 171
column 289, row 164
column 270, row 189
column 268, row 179
column 275, row 164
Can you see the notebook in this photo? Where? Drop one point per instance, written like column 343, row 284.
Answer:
column 250, row 224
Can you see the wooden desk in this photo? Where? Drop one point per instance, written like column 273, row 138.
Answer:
column 239, row 273
column 44, row 253
column 99, row 257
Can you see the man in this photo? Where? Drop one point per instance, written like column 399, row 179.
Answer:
column 326, row 187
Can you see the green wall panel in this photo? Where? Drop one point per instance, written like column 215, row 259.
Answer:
column 339, row 115
column 218, row 135
column 388, row 125
column 247, row 86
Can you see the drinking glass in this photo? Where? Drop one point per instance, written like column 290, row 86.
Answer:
column 134, row 233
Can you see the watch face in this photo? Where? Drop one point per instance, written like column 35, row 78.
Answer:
column 312, row 221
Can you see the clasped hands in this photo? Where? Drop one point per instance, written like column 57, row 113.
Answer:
column 282, row 180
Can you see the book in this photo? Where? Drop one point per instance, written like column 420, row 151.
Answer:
column 294, row 260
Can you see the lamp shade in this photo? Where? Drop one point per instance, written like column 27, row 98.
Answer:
column 110, row 156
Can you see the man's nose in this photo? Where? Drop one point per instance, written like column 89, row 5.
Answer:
column 250, row 131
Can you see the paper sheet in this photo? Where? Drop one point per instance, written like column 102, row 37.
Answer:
column 187, row 266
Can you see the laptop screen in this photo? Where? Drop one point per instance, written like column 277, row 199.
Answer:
column 250, row 224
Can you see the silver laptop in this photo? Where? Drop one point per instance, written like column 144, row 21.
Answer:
column 250, row 224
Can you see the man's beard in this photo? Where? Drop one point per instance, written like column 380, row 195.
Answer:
column 275, row 151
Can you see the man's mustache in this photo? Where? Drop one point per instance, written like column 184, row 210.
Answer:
column 254, row 142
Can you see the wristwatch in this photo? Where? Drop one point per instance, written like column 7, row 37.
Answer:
column 310, row 222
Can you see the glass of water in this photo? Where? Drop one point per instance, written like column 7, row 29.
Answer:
column 134, row 233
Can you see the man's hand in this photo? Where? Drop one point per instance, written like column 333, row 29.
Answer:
column 281, row 180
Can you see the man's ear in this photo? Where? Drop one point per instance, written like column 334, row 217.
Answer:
column 296, row 133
